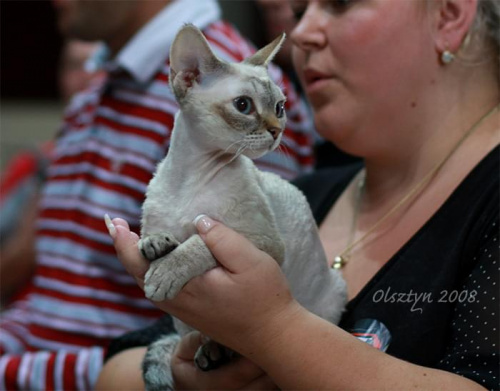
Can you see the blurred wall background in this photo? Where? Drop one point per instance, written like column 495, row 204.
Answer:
column 30, row 49
column 29, row 52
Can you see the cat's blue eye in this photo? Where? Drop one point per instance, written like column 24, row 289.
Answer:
column 244, row 105
column 280, row 109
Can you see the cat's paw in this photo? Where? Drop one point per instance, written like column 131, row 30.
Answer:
column 168, row 275
column 212, row 355
column 157, row 245
column 163, row 280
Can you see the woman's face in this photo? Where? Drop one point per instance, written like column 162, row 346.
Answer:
column 362, row 63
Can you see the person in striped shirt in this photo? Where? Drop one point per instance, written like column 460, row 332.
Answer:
column 113, row 134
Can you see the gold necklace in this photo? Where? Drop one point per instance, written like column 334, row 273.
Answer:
column 340, row 260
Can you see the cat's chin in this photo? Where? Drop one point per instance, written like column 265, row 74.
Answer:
column 261, row 149
column 255, row 154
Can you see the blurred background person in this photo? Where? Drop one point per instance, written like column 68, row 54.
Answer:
column 25, row 173
column 74, row 73
column 277, row 18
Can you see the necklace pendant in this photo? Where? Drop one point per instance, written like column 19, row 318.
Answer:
column 338, row 262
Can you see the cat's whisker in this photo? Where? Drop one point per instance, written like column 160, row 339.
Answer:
column 283, row 148
column 221, row 153
column 234, row 157
column 283, row 142
column 240, row 150
column 231, row 145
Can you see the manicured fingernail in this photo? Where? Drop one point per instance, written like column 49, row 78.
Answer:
column 203, row 223
column 110, row 225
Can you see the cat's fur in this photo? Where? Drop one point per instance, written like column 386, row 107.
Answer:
column 208, row 170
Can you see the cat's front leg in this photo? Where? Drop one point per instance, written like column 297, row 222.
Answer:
column 156, row 369
column 157, row 245
column 166, row 276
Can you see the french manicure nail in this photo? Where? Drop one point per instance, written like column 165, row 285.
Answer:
column 109, row 224
column 203, row 223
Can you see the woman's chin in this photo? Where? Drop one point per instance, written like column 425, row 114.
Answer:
column 336, row 128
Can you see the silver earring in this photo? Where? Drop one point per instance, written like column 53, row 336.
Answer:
column 447, row 57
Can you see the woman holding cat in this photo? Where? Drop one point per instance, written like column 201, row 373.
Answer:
column 413, row 87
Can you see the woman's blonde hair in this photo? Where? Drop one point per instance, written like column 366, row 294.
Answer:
column 486, row 26
column 487, row 21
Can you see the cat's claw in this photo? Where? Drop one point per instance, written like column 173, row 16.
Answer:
column 157, row 245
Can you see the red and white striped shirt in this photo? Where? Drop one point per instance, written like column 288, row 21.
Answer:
column 112, row 137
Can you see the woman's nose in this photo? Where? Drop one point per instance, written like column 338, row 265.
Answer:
column 309, row 34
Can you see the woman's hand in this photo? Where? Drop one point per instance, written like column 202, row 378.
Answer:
column 242, row 304
column 239, row 374
column 123, row 371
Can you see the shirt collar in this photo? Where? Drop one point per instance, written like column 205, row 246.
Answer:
column 143, row 55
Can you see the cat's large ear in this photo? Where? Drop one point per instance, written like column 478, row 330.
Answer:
column 190, row 59
column 265, row 55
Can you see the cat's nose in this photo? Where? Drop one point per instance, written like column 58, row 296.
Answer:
column 275, row 132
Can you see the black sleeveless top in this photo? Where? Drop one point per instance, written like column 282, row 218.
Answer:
column 438, row 295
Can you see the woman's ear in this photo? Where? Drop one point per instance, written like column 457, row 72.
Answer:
column 454, row 18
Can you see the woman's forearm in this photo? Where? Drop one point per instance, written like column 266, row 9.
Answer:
column 303, row 351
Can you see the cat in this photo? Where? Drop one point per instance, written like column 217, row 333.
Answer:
column 229, row 114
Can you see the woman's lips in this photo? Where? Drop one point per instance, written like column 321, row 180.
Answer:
column 315, row 80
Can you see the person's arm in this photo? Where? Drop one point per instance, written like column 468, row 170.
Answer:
column 122, row 371
column 42, row 370
column 310, row 353
column 246, row 305
column 17, row 252
column 19, row 183
column 61, row 369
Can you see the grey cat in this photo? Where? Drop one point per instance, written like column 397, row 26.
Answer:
column 229, row 114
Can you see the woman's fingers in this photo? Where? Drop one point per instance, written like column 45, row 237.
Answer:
column 262, row 383
column 188, row 345
column 240, row 373
column 228, row 246
column 241, row 368
column 125, row 242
